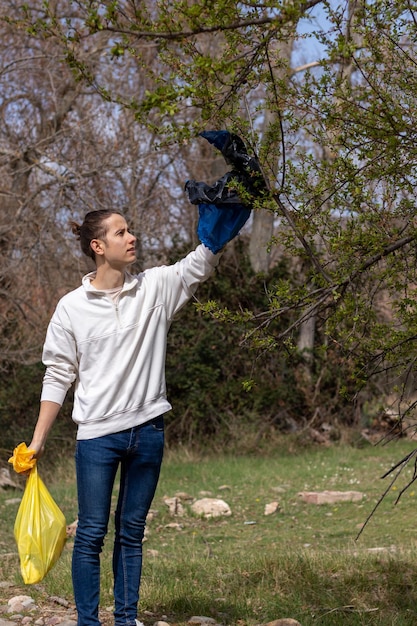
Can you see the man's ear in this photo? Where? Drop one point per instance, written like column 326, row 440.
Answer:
column 97, row 246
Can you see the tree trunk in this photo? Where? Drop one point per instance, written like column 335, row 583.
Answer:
column 263, row 221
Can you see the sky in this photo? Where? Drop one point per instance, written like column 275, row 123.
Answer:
column 309, row 49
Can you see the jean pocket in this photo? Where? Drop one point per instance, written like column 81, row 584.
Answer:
column 158, row 423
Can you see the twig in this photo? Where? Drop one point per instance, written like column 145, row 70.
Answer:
column 349, row 608
column 401, row 465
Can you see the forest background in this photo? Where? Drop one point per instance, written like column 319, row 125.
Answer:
column 309, row 325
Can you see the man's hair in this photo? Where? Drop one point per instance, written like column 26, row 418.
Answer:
column 93, row 227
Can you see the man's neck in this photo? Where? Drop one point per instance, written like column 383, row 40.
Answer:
column 108, row 278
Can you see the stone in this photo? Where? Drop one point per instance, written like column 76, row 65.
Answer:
column 174, row 526
column 211, row 507
column 54, row 620
column 183, row 495
column 161, row 623
column 271, row 507
column 330, row 497
column 58, row 600
column 201, row 619
column 6, row 480
column 5, row 622
column 152, row 553
column 152, row 513
column 72, row 528
column 175, row 506
column 284, row 621
column 17, row 604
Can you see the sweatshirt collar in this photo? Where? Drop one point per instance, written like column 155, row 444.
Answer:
column 130, row 282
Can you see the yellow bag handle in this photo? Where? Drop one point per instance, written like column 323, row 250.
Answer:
column 23, row 459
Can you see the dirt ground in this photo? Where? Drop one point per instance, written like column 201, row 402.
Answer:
column 46, row 610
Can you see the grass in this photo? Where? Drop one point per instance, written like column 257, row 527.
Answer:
column 302, row 562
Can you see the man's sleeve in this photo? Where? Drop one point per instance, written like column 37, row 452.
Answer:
column 60, row 358
column 178, row 282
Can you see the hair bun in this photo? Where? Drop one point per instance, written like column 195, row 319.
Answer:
column 76, row 229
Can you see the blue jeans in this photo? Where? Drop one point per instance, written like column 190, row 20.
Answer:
column 138, row 451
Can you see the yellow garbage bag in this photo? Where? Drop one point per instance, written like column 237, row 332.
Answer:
column 40, row 526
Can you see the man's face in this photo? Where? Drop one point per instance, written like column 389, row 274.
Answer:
column 118, row 247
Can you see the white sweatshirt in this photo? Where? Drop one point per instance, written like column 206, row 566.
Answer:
column 115, row 353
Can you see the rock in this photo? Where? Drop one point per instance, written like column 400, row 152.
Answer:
column 284, row 621
column 211, row 507
column 382, row 549
column 200, row 619
column 72, row 528
column 6, row 480
column 330, row 497
column 161, row 623
column 152, row 553
column 59, row 600
column 5, row 622
column 183, row 495
column 174, row 526
column 271, row 507
column 317, row 436
column 175, row 506
column 152, row 513
column 17, row 604
column 279, row 489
